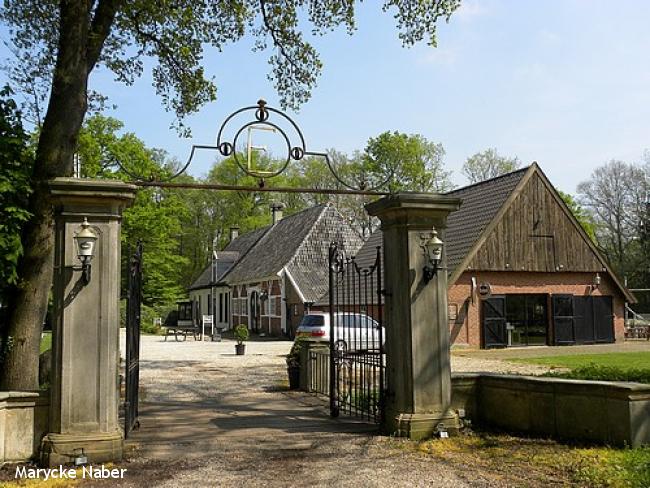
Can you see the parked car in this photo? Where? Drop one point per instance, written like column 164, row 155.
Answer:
column 353, row 331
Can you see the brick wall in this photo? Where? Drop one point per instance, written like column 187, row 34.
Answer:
column 294, row 307
column 465, row 328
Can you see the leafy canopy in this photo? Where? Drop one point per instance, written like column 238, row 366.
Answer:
column 585, row 219
column 155, row 217
column 415, row 163
column 488, row 164
column 177, row 33
column 16, row 159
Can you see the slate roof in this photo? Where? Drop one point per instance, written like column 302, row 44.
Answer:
column 299, row 242
column 275, row 248
column 244, row 242
column 309, row 266
column 225, row 261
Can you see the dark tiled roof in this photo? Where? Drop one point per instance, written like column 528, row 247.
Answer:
column 225, row 261
column 245, row 241
column 481, row 202
column 312, row 283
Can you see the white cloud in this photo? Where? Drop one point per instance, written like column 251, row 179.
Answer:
column 444, row 56
column 470, row 9
column 548, row 37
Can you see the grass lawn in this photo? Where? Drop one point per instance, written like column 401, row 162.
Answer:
column 622, row 360
column 46, row 341
column 615, row 366
column 519, row 461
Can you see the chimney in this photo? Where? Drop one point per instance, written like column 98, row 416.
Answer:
column 276, row 212
column 234, row 233
column 214, row 267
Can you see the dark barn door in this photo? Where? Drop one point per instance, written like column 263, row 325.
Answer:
column 603, row 319
column 583, row 319
column 563, row 320
column 494, row 322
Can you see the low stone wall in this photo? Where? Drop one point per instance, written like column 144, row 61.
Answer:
column 594, row 411
column 23, row 422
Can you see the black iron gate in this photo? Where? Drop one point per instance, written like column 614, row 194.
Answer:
column 356, row 335
column 132, row 374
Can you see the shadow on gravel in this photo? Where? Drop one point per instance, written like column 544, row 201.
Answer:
column 168, row 365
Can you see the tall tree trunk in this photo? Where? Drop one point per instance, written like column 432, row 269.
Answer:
column 54, row 157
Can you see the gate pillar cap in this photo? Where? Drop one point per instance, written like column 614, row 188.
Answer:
column 416, row 201
column 85, row 190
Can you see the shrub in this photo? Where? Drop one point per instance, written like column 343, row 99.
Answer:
column 241, row 333
column 293, row 358
column 147, row 316
column 598, row 372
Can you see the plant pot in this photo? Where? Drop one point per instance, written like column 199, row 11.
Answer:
column 240, row 349
column 294, row 377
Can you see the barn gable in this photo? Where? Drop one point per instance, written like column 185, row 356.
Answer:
column 535, row 231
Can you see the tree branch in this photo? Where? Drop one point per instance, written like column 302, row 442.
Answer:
column 163, row 48
column 100, row 29
column 274, row 36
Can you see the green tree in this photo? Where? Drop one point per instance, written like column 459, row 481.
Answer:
column 16, row 160
column 156, row 220
column 101, row 146
column 66, row 41
column 155, row 217
column 585, row 219
column 415, row 163
column 615, row 195
column 488, row 164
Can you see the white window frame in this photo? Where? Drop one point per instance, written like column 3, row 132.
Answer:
column 274, row 311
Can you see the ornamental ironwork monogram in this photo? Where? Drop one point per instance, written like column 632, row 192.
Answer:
column 264, row 118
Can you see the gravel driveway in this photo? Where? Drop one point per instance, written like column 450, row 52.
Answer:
column 211, row 418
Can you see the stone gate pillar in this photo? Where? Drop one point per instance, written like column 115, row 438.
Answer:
column 85, row 337
column 418, row 372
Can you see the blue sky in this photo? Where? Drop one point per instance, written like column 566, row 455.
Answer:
column 562, row 82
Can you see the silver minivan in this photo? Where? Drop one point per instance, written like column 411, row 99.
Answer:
column 353, row 331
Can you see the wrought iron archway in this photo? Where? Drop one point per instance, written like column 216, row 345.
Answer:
column 296, row 151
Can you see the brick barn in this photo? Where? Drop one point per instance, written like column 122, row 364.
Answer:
column 521, row 269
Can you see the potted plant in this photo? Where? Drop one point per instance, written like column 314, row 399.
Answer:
column 241, row 336
column 293, row 363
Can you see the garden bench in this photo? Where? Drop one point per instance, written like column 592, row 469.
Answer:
column 181, row 330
